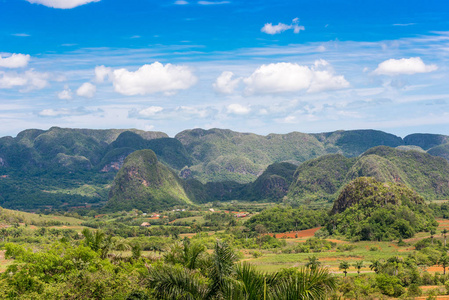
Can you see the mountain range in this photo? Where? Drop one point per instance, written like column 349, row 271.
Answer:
column 63, row 167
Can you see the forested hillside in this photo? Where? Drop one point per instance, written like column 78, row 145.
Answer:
column 323, row 178
column 63, row 167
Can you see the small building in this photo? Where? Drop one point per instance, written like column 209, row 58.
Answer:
column 145, row 224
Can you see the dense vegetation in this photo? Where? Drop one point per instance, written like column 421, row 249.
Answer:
column 64, row 168
column 371, row 210
column 145, row 184
column 323, row 178
column 283, row 219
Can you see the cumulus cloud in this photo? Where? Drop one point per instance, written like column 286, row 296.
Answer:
column 153, row 78
column 66, row 94
column 61, row 112
column 63, row 4
column 101, row 73
column 50, row 112
column 238, row 109
column 269, row 28
column 194, row 111
column 181, row 2
column 290, row 77
column 86, row 90
column 14, row 61
column 225, row 84
column 30, row 80
column 407, row 66
column 150, row 111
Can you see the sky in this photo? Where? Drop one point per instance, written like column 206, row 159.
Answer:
column 251, row 66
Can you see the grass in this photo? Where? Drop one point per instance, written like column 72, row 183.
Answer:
column 189, row 220
column 86, row 190
column 38, row 218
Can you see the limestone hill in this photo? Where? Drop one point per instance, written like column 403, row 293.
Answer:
column 324, row 177
column 367, row 209
column 145, row 184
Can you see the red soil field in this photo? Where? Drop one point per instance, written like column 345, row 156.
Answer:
column 297, row 234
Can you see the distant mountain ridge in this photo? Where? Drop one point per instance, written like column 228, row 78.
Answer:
column 323, row 178
column 72, row 167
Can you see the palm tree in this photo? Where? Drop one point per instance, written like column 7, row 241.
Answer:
column 313, row 262
column 376, row 265
column 344, row 265
column 192, row 253
column 396, row 261
column 358, row 265
column 98, row 241
column 3, row 233
column 305, row 284
column 250, row 284
column 444, row 262
column 432, row 232
column 221, row 267
column 121, row 245
column 172, row 282
column 136, row 251
column 443, row 233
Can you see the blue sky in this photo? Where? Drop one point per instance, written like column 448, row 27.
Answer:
column 253, row 66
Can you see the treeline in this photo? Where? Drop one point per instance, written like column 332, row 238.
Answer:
column 285, row 218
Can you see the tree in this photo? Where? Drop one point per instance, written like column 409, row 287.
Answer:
column 358, row 265
column 396, row 261
column 305, row 284
column 344, row 265
column 261, row 230
column 136, row 251
column 432, row 232
column 444, row 262
column 376, row 265
column 443, row 233
column 313, row 262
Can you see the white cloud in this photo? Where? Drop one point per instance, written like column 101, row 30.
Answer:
column 324, row 78
column 406, row 66
column 194, row 111
column 53, row 113
column 213, row 3
column 64, row 4
column 181, row 2
column 30, row 80
column 290, row 77
column 50, row 112
column 86, row 90
column 101, row 72
column 66, row 94
column 14, row 61
column 238, row 109
column 269, row 28
column 21, row 34
column 225, row 84
column 153, row 78
column 150, row 111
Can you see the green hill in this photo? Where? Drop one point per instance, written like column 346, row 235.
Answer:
column 367, row 209
column 145, row 184
column 272, row 185
column 321, row 179
column 355, row 142
column 440, row 150
column 426, row 140
column 54, row 168
column 220, row 154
